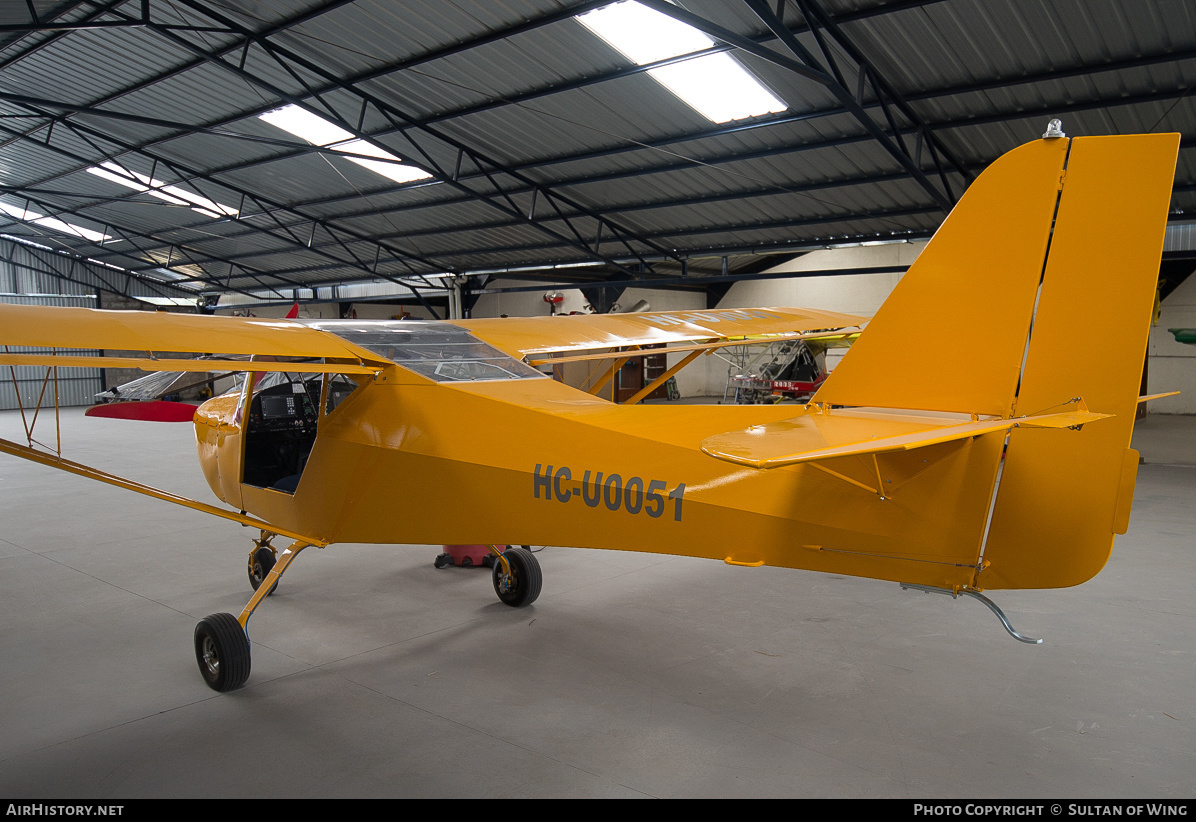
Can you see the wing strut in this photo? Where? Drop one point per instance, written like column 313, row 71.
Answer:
column 54, row 461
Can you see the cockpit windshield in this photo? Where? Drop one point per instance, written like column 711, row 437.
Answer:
column 440, row 351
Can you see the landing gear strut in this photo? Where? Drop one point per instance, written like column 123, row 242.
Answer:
column 221, row 643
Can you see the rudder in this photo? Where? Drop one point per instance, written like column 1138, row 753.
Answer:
column 1063, row 495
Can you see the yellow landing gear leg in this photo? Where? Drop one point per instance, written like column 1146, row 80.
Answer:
column 221, row 641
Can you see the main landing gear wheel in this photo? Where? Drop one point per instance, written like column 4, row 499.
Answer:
column 222, row 651
column 261, row 562
column 522, row 585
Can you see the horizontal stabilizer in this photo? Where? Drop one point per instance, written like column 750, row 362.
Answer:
column 818, row 436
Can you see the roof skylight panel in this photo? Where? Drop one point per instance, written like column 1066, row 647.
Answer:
column 156, row 188
column 319, row 132
column 715, row 85
column 25, row 215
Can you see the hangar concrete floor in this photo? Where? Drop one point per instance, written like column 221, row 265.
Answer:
column 633, row 675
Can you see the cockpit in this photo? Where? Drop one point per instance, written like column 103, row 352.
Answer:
column 284, row 414
column 282, row 424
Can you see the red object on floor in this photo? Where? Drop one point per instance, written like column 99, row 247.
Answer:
column 474, row 553
column 148, row 411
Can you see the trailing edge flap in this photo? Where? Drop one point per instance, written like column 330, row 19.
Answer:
column 519, row 336
column 816, row 436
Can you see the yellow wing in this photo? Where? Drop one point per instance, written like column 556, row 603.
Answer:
column 538, row 335
column 155, row 332
column 158, row 332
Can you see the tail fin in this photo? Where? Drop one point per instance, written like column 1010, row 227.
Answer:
column 1061, row 498
column 978, row 275
column 1064, row 236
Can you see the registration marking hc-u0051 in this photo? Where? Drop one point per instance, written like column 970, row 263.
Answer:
column 631, row 494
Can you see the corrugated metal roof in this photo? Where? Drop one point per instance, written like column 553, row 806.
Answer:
column 503, row 99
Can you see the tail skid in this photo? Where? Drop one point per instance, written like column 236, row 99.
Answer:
column 992, row 606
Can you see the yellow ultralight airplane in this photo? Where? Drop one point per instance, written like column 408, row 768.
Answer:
column 1001, row 461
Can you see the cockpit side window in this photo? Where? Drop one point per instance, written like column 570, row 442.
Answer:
column 280, row 430
column 337, row 388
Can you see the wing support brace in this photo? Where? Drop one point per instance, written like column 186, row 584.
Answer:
column 992, row 606
column 267, row 585
column 54, row 461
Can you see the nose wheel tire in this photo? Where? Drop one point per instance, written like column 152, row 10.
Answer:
column 522, row 585
column 260, row 564
column 222, row 651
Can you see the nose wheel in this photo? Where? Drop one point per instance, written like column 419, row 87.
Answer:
column 517, row 578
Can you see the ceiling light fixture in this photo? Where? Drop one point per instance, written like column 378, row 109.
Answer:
column 156, row 188
column 28, row 216
column 319, row 132
column 717, row 86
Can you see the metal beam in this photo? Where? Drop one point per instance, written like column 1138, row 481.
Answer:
column 460, row 254
column 274, row 208
column 541, row 163
column 813, row 10
column 480, row 160
column 699, row 283
column 316, row 11
column 460, row 229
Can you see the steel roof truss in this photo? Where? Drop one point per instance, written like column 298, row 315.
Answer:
column 279, row 52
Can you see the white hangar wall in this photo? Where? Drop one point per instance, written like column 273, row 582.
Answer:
column 860, row 294
column 1172, row 365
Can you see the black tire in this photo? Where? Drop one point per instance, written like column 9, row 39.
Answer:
column 222, row 651
column 260, row 565
column 522, row 586
column 442, row 561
